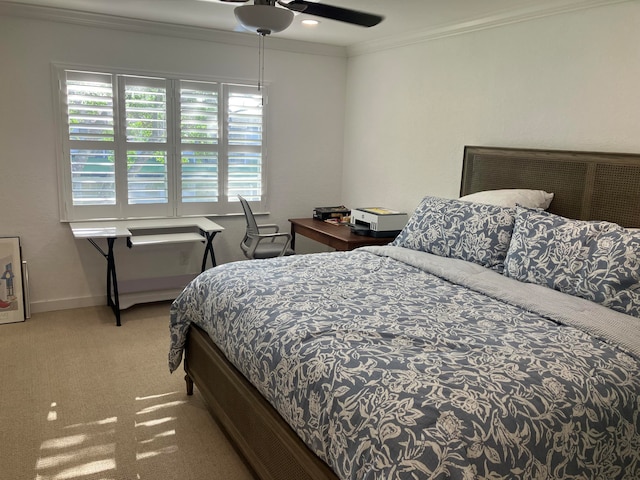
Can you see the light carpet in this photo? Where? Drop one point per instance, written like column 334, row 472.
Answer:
column 82, row 399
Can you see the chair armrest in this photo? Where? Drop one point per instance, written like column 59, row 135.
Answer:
column 256, row 239
column 273, row 226
column 272, row 236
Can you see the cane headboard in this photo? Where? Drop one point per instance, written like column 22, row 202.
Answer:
column 586, row 185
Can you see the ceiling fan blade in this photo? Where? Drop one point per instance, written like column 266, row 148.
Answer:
column 235, row 1
column 335, row 13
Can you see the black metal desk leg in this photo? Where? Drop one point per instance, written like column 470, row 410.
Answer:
column 112, row 280
column 113, row 301
column 208, row 250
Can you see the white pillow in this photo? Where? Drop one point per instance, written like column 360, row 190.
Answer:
column 512, row 197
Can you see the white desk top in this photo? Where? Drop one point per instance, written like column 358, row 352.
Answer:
column 122, row 228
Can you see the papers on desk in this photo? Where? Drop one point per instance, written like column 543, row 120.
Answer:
column 338, row 221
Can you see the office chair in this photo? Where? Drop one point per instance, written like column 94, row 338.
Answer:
column 257, row 244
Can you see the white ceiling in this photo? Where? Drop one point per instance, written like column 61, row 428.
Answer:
column 402, row 17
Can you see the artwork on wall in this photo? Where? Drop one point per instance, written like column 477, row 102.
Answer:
column 11, row 292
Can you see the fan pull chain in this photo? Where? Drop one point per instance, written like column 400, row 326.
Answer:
column 261, row 60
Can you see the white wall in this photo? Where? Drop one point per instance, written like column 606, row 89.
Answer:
column 304, row 136
column 569, row 81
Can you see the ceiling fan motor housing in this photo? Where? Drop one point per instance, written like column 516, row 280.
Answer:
column 263, row 19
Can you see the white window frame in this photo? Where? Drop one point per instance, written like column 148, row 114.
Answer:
column 174, row 207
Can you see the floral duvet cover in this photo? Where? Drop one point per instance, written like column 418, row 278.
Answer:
column 396, row 364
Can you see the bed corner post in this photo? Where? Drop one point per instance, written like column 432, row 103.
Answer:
column 188, row 379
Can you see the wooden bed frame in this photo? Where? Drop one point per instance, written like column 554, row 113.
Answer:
column 587, row 186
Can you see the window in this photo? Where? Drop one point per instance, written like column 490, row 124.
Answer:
column 149, row 146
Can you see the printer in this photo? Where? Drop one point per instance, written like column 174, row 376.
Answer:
column 377, row 221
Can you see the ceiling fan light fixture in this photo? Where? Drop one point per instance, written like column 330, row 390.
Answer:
column 263, row 19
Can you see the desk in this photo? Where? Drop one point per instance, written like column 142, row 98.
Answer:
column 134, row 231
column 339, row 237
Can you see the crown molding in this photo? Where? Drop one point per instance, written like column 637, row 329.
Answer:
column 112, row 22
column 97, row 20
column 473, row 25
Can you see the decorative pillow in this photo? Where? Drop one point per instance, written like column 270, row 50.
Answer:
column 599, row 261
column 512, row 197
column 475, row 232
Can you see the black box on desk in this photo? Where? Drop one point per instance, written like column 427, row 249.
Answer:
column 325, row 213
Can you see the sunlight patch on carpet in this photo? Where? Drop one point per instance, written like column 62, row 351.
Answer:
column 109, row 447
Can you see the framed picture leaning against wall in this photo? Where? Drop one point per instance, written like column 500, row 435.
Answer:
column 11, row 292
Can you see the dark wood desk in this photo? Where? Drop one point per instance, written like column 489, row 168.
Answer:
column 339, row 237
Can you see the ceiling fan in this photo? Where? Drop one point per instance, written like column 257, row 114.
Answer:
column 264, row 16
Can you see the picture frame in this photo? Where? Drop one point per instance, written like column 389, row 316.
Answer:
column 11, row 285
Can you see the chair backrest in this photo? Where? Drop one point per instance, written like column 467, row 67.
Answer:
column 252, row 225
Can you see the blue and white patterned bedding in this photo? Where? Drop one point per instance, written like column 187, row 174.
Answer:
column 396, row 364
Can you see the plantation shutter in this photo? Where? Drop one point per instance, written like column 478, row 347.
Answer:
column 244, row 133
column 140, row 146
column 145, row 120
column 199, row 140
column 89, row 142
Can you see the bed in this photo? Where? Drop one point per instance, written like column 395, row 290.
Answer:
column 470, row 347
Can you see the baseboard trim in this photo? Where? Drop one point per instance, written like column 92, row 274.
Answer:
column 132, row 292
column 126, row 301
column 67, row 304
